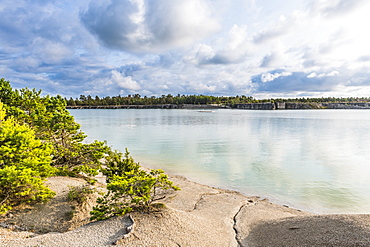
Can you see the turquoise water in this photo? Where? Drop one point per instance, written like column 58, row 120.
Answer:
column 314, row 160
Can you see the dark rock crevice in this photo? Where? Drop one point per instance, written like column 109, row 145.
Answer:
column 238, row 238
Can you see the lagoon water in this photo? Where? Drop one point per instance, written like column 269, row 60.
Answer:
column 314, row 160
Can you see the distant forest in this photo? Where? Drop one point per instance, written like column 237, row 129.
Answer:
column 197, row 100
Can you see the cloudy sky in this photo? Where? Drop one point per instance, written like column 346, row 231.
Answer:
column 262, row 48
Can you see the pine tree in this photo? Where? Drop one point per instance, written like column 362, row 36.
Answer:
column 24, row 165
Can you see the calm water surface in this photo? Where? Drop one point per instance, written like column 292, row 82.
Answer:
column 314, row 160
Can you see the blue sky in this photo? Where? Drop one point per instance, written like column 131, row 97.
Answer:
column 263, row 48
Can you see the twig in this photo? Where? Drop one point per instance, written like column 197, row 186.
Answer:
column 129, row 230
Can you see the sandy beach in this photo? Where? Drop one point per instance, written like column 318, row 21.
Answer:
column 198, row 215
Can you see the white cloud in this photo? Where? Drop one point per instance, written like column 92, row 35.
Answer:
column 27, row 62
column 235, row 49
column 192, row 46
column 124, row 82
column 334, row 7
column 272, row 31
column 52, row 52
column 149, row 26
column 201, row 87
column 314, row 75
column 267, row 77
column 333, row 73
column 201, row 54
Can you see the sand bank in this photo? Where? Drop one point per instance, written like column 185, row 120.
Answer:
column 198, row 215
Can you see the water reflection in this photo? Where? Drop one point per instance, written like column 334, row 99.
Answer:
column 313, row 160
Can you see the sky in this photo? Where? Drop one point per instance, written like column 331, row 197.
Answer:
column 259, row 48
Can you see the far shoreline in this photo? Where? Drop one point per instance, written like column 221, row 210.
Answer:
column 248, row 106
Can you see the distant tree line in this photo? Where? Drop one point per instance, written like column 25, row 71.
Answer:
column 137, row 99
column 325, row 100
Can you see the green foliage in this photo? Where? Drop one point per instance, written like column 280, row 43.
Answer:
column 140, row 187
column 80, row 194
column 164, row 99
column 21, row 185
column 24, row 163
column 8, row 97
column 129, row 187
column 38, row 132
column 2, row 112
column 108, row 206
column 79, row 157
column 20, row 147
column 39, row 138
column 198, row 99
column 53, row 124
column 118, row 164
column 41, row 128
